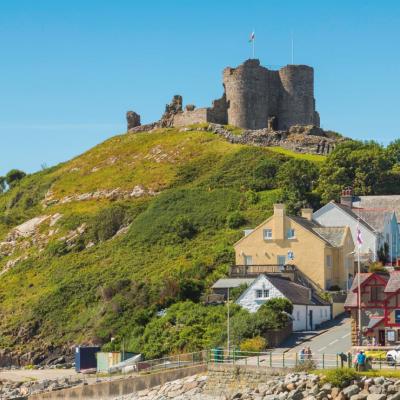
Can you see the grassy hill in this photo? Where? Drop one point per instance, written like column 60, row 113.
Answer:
column 132, row 226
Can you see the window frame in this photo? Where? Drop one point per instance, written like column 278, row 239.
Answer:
column 291, row 230
column 267, row 237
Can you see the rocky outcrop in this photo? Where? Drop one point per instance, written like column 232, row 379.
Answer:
column 301, row 139
column 171, row 109
column 132, row 119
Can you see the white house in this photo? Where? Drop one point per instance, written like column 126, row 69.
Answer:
column 308, row 309
column 378, row 225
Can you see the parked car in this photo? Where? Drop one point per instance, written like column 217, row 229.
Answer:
column 393, row 356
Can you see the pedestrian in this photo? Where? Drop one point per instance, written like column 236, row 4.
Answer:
column 361, row 358
column 309, row 353
column 302, row 354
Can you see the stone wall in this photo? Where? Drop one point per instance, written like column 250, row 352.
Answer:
column 187, row 117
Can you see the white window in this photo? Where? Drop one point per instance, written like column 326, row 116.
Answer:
column 298, row 315
column 262, row 293
column 248, row 260
column 290, row 234
column 281, row 260
column 267, row 234
column 329, row 261
column 320, row 313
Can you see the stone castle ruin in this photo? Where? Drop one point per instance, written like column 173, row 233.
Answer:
column 271, row 105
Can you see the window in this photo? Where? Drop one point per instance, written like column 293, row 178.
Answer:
column 375, row 293
column 248, row 260
column 267, row 234
column 262, row 293
column 281, row 260
column 290, row 234
column 320, row 313
column 329, row 261
column 298, row 315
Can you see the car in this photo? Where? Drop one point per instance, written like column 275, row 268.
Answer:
column 393, row 356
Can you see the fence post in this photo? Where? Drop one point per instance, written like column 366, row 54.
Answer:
column 349, row 359
column 258, row 360
column 337, row 360
column 295, row 362
column 380, row 361
column 192, row 358
column 323, row 360
column 283, row 360
column 270, row 359
column 179, row 360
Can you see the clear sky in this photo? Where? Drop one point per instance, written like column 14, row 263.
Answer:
column 70, row 69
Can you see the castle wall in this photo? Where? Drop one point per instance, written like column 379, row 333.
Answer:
column 197, row 116
column 297, row 106
column 246, row 89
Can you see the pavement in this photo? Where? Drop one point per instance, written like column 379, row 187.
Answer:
column 22, row 375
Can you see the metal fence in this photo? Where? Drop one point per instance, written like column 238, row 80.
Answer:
column 272, row 359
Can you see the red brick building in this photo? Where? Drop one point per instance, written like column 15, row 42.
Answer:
column 380, row 308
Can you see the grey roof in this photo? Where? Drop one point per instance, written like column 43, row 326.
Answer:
column 388, row 203
column 333, row 235
column 393, row 284
column 373, row 321
column 225, row 283
column 294, row 292
column 374, row 218
column 330, row 235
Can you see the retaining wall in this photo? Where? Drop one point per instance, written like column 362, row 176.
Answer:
column 120, row 387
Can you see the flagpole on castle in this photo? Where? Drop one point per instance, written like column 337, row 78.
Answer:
column 254, row 41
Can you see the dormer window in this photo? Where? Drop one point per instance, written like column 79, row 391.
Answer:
column 267, row 233
column 262, row 293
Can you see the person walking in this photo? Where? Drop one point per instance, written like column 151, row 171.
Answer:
column 361, row 359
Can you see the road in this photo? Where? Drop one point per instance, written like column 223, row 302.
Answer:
column 336, row 339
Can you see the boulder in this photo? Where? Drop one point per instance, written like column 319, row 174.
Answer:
column 351, row 391
column 132, row 119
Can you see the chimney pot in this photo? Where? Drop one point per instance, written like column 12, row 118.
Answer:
column 307, row 213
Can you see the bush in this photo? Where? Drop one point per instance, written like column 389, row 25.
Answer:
column 307, row 365
column 255, row 344
column 107, row 222
column 235, row 220
column 340, row 377
column 184, row 228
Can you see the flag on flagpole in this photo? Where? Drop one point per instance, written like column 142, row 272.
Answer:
column 252, row 37
column 359, row 237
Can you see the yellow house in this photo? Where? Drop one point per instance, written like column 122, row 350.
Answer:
column 323, row 254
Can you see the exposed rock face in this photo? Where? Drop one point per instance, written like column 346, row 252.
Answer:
column 301, row 139
column 133, row 119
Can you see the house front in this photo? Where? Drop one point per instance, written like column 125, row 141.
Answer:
column 378, row 224
column 380, row 309
column 309, row 310
column 322, row 254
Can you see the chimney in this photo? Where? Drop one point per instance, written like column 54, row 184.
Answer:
column 346, row 198
column 307, row 213
column 279, row 221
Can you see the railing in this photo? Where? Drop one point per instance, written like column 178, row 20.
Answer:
column 292, row 360
column 172, row 362
column 255, row 270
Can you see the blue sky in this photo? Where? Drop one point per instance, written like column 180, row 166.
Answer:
column 70, row 70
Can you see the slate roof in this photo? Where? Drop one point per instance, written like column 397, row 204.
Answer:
column 331, row 235
column 225, row 283
column 294, row 292
column 374, row 218
column 388, row 203
column 352, row 213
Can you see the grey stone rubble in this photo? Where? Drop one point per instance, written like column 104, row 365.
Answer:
column 293, row 386
column 20, row 390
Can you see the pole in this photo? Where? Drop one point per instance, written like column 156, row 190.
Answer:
column 228, row 329
column 359, row 295
column 254, row 40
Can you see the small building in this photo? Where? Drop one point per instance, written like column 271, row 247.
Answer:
column 309, row 310
column 380, row 309
column 223, row 285
column 107, row 360
column 85, row 358
column 376, row 218
column 324, row 255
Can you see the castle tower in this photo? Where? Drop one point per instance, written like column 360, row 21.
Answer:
column 297, row 105
column 246, row 90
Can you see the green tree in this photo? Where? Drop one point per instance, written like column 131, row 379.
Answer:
column 296, row 178
column 14, row 176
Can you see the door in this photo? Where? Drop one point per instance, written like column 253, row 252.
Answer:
column 310, row 318
column 381, row 337
column 281, row 260
column 248, row 260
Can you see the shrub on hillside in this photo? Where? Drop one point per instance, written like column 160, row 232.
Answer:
column 235, row 220
column 255, row 344
column 184, row 228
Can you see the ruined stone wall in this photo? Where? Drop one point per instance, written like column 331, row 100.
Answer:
column 196, row 116
column 297, row 105
column 218, row 113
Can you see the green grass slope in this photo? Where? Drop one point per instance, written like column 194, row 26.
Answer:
column 103, row 265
